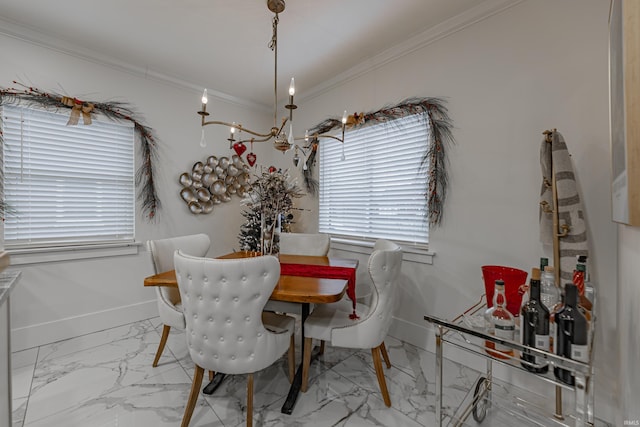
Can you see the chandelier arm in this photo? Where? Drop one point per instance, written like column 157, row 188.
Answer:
column 284, row 121
column 237, row 126
column 265, row 139
column 282, row 141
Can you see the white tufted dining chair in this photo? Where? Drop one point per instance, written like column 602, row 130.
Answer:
column 312, row 244
column 168, row 299
column 331, row 322
column 226, row 328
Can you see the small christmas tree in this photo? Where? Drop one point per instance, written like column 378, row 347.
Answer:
column 249, row 237
column 271, row 196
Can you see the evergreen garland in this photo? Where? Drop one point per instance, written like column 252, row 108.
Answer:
column 434, row 157
column 112, row 110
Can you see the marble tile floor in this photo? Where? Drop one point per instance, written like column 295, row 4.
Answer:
column 105, row 379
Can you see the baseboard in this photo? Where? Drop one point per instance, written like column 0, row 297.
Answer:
column 70, row 327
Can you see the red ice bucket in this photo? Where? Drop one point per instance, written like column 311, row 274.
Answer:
column 512, row 278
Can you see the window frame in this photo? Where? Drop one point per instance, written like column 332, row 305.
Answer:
column 78, row 247
column 418, row 146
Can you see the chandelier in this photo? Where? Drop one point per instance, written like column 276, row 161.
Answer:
column 282, row 140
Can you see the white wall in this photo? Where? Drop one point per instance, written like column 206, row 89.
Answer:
column 62, row 299
column 628, row 321
column 541, row 64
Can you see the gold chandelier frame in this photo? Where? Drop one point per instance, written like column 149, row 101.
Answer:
column 281, row 140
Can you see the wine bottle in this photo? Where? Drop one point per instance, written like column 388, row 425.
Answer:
column 543, row 263
column 589, row 291
column 581, row 272
column 534, row 324
column 571, row 334
column 502, row 323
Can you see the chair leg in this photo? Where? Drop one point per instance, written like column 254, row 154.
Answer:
column 163, row 341
column 321, row 348
column 249, row 400
column 377, row 363
column 385, row 355
column 193, row 396
column 292, row 358
column 305, row 365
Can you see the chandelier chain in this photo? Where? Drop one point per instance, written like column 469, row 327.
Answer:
column 282, row 140
column 273, row 45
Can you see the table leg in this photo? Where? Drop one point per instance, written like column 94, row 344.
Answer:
column 439, row 397
column 214, row 383
column 294, row 390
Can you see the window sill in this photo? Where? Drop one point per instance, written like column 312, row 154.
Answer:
column 411, row 253
column 69, row 253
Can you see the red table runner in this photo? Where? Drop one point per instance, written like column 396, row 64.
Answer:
column 325, row 272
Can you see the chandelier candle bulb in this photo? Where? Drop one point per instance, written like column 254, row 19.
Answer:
column 344, row 119
column 292, row 89
column 232, row 131
column 205, row 99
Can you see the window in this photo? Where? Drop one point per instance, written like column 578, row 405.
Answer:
column 377, row 189
column 66, row 185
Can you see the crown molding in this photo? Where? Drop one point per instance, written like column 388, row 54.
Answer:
column 478, row 13
column 35, row 37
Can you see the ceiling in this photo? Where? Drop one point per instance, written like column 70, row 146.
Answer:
column 223, row 44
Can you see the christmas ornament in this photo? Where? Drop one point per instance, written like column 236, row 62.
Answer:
column 251, row 159
column 213, row 182
column 239, row 148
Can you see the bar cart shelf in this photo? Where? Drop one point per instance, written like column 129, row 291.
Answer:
column 465, row 332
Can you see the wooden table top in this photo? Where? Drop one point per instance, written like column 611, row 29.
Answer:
column 289, row 288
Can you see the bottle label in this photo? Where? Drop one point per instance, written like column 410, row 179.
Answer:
column 505, row 332
column 580, row 353
column 542, row 342
column 578, row 280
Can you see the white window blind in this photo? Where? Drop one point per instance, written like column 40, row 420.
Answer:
column 378, row 189
column 66, row 185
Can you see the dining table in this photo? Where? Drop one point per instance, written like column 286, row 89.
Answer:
column 304, row 280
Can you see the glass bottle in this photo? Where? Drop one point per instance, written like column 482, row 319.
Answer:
column 534, row 325
column 589, row 291
column 549, row 293
column 501, row 323
column 553, row 313
column 571, row 334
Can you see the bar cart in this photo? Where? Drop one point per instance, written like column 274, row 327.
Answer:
column 466, row 333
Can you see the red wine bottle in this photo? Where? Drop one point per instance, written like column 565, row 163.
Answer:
column 534, row 321
column 571, row 334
